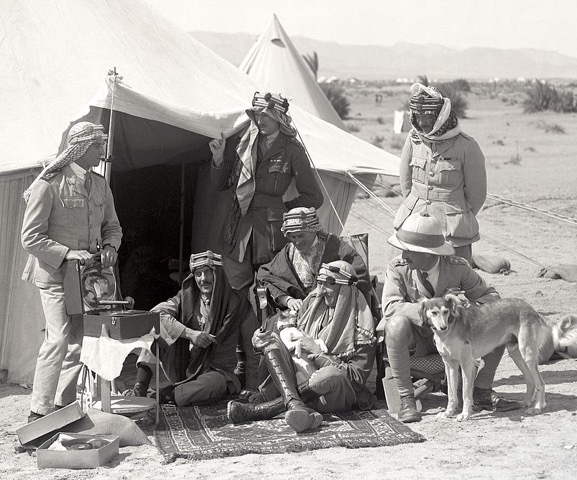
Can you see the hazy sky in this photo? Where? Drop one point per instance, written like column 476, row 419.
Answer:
column 542, row 24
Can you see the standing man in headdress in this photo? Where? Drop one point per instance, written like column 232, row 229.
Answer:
column 442, row 170
column 70, row 215
column 258, row 165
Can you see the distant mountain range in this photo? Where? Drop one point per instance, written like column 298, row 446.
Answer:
column 407, row 60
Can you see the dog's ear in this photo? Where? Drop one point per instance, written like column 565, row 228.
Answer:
column 422, row 310
column 454, row 302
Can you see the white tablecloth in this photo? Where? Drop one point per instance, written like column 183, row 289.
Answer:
column 105, row 356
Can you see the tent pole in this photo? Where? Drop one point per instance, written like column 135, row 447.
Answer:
column 181, row 236
column 112, row 79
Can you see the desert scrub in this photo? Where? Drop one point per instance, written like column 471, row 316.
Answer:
column 397, row 142
column 354, row 127
column 378, row 141
column 543, row 96
column 550, row 127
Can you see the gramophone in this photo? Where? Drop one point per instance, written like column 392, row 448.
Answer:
column 92, row 291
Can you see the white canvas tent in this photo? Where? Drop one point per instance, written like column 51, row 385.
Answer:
column 275, row 64
column 175, row 96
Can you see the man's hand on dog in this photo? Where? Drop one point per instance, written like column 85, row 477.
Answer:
column 308, row 345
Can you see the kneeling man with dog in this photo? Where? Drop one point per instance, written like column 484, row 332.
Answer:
column 427, row 268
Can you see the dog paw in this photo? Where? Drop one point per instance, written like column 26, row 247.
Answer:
column 533, row 411
column 462, row 417
column 444, row 414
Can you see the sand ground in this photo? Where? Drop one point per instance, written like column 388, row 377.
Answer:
column 511, row 445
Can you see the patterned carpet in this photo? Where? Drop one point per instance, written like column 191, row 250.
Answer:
column 205, row 432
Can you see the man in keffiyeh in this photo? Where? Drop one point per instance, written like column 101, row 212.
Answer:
column 70, row 215
column 337, row 313
column 258, row 165
column 292, row 273
column 442, row 170
column 200, row 328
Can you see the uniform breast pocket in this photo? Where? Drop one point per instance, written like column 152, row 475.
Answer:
column 69, row 215
column 279, row 170
column 418, row 165
column 96, row 212
column 450, row 173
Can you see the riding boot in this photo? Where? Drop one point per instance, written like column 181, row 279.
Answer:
column 241, row 412
column 298, row 416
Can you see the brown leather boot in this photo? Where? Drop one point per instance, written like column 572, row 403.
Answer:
column 487, row 399
column 408, row 412
column 240, row 412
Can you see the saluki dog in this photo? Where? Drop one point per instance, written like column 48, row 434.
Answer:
column 463, row 335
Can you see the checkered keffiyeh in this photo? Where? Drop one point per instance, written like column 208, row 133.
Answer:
column 80, row 137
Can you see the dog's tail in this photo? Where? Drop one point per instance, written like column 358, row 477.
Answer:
column 565, row 332
column 556, row 336
column 547, row 341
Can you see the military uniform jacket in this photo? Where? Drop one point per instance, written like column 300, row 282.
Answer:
column 448, row 179
column 403, row 290
column 62, row 215
column 284, row 161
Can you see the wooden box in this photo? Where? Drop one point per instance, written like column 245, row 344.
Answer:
column 100, row 454
column 33, row 434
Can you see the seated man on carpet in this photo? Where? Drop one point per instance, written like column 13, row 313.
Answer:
column 337, row 313
column 291, row 275
column 428, row 268
column 200, row 328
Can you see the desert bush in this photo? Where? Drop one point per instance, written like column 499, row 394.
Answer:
column 461, row 85
column 541, row 96
column 378, row 141
column 514, row 160
column 499, row 142
column 354, row 127
column 453, row 90
column 380, row 120
column 550, row 127
column 458, row 102
column 312, row 60
column 397, row 142
column 336, row 95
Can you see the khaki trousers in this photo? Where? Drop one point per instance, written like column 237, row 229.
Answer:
column 58, row 364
